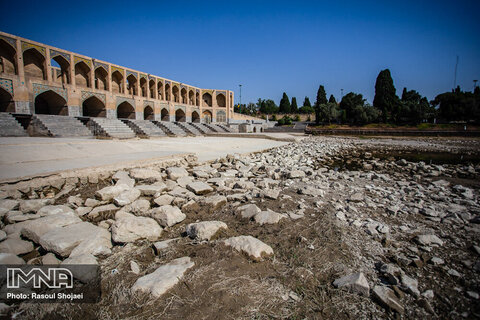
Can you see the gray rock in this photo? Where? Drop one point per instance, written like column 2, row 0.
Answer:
column 75, row 201
column 296, row 174
column 9, row 204
column 176, row 172
column 145, row 174
column 271, row 193
column 248, row 211
column 168, row 216
column 80, row 273
column 34, row 230
column 267, row 217
column 428, row 239
column 250, row 246
column 129, row 228
column 134, row 267
column 164, row 200
column 27, row 206
column 50, row 259
column 199, row 188
column 410, row 285
column 102, row 210
column 215, row 202
column 356, row 283
column 108, row 193
column 8, row 258
column 387, row 298
column 15, row 245
column 138, row 207
column 357, row 197
column 151, row 189
column 184, row 181
column 3, row 235
column 126, row 197
column 50, row 210
column 164, row 278
column 204, row 230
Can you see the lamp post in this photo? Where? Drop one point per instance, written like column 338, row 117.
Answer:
column 240, row 94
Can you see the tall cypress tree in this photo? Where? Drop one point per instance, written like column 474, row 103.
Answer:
column 386, row 99
column 321, row 100
column 294, row 106
column 284, row 104
column 306, row 102
column 332, row 99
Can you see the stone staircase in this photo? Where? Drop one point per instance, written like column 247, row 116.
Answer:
column 224, row 127
column 112, row 128
column 218, row 128
column 60, row 126
column 201, row 127
column 146, row 128
column 189, row 128
column 10, row 127
column 171, row 128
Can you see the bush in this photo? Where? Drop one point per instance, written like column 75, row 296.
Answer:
column 285, row 121
column 297, row 117
column 274, row 117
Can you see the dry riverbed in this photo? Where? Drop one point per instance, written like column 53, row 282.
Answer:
column 320, row 228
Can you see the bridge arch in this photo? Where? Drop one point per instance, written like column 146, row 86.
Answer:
column 101, row 76
column 175, row 94
column 34, row 64
column 221, row 116
column 183, row 94
column 165, row 116
column 132, row 85
column 180, row 115
column 151, row 86
column 6, row 101
column 207, row 99
column 221, row 100
column 207, row 116
column 82, row 74
column 148, row 113
column 143, row 87
column 125, row 111
column 7, row 58
column 160, row 90
column 64, row 66
column 94, row 107
column 50, row 102
column 195, row 117
column 117, row 82
column 167, row 92
column 191, row 97
column 197, row 99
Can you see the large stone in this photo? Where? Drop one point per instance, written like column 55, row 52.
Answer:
column 120, row 175
column 51, row 210
column 126, row 197
column 164, row 200
column 9, row 204
column 78, row 270
column 27, row 206
column 176, row 172
column 250, row 246
column 34, row 230
column 164, row 278
column 146, row 174
column 138, row 207
column 296, row 174
column 102, row 210
column 63, row 240
column 271, row 193
column 199, row 188
column 428, row 239
column 8, row 258
column 267, row 217
column 50, row 259
column 168, row 216
column 108, row 193
column 129, row 228
column 354, row 283
column 357, row 197
column 215, row 202
column 387, row 298
column 15, row 245
column 204, row 230
column 410, row 285
column 248, row 211
column 98, row 244
column 151, row 189
column 184, row 181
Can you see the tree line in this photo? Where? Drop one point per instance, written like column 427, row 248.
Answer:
column 410, row 108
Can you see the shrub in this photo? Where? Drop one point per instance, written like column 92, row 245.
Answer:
column 297, row 117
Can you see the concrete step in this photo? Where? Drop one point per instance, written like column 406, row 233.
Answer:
column 147, row 128
column 171, row 128
column 202, row 127
column 10, row 127
column 189, row 129
column 62, row 126
column 113, row 128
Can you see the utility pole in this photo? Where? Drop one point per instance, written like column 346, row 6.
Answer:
column 474, row 84
column 341, row 90
column 455, row 78
column 240, row 94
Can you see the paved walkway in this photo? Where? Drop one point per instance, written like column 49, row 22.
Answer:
column 29, row 156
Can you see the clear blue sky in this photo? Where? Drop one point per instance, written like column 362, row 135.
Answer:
column 268, row 46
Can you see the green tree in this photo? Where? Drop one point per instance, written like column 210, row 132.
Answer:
column 294, row 106
column 386, row 99
column 332, row 99
column 321, row 99
column 354, row 110
column 458, row 105
column 284, row 104
column 267, row 106
column 328, row 112
column 306, row 102
column 414, row 108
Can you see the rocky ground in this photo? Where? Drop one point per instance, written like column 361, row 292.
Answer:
column 320, row 228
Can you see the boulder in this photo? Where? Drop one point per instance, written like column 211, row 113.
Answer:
column 98, row 244
column 151, row 189
column 215, row 202
column 296, row 174
column 34, row 230
column 204, row 230
column 428, row 239
column 9, row 204
column 8, row 258
column 176, row 172
column 120, row 175
column 50, row 210
column 184, row 181
column 102, row 210
column 27, row 206
column 356, row 283
column 410, row 285
column 164, row 200
column 248, row 211
column 168, row 216
column 387, row 298
column 79, row 270
column 126, row 197
column 250, row 246
column 199, row 188
column 50, row 259
column 108, row 193
column 146, row 174
column 271, row 193
column 164, row 278
column 15, row 245
column 138, row 207
column 129, row 228
column 267, row 217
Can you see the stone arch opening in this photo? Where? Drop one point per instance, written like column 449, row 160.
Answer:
column 183, row 94
column 261, row 129
column 143, row 87
column 197, row 99
column 101, row 76
column 180, row 116
column 6, row 101
column 221, row 100
column 207, row 99
column 175, row 94
column 167, row 92
column 191, row 98
column 254, row 129
column 195, row 117
column 125, row 111
column 82, row 74
column 117, row 82
column 221, row 116
column 50, row 102
column 151, row 85
column 7, row 58
column 94, row 107
column 60, row 73
column 165, row 116
column 148, row 113
column 207, row 116
column 34, row 64
column 132, row 85
column 161, row 96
